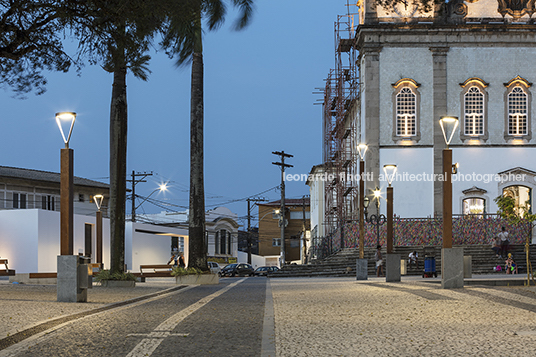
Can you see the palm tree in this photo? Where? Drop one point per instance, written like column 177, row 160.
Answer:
column 118, row 34
column 185, row 40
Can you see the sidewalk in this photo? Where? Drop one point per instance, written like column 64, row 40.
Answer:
column 24, row 305
column 415, row 317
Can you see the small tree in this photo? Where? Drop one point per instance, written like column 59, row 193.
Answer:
column 516, row 215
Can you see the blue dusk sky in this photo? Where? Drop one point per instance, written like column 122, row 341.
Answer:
column 259, row 86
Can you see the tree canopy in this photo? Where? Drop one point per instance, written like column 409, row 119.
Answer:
column 30, row 43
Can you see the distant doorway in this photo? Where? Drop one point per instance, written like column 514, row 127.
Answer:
column 522, row 196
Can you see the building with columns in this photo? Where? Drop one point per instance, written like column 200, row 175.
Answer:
column 398, row 72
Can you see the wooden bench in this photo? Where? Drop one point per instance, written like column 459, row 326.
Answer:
column 5, row 271
column 43, row 275
column 154, row 271
column 160, row 269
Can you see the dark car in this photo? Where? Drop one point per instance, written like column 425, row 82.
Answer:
column 237, row 269
column 264, row 271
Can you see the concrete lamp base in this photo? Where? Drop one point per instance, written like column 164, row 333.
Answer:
column 68, row 286
column 362, row 269
column 452, row 268
column 392, row 267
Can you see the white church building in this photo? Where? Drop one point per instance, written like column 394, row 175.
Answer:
column 399, row 70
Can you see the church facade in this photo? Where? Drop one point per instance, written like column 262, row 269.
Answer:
column 468, row 59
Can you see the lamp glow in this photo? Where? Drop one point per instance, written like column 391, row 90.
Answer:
column 448, row 127
column 361, row 150
column 390, row 171
column 66, row 119
column 377, row 193
column 98, row 201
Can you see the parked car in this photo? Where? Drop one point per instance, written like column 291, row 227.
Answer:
column 237, row 269
column 214, row 267
column 264, row 271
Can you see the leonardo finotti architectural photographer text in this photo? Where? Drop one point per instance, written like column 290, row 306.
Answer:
column 409, row 177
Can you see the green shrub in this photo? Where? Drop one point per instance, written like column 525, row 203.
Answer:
column 106, row 275
column 177, row 271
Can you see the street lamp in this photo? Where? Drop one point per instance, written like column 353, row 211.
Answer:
column 448, row 127
column 392, row 263
column 72, row 285
column 451, row 258
column 378, row 219
column 390, row 171
column 361, row 150
column 98, row 222
column 162, row 187
column 65, row 120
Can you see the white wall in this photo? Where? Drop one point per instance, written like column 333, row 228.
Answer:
column 30, row 239
column 411, row 198
column 256, row 260
column 18, row 239
column 151, row 244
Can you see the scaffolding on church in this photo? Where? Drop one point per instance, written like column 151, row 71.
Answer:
column 340, row 137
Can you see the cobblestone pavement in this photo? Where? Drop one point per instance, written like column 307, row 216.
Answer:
column 313, row 317
column 208, row 320
column 24, row 305
column 344, row 317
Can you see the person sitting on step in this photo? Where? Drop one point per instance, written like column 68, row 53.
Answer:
column 413, row 258
column 511, row 266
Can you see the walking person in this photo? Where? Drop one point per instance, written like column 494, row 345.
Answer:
column 496, row 246
column 379, row 261
column 504, row 242
column 173, row 260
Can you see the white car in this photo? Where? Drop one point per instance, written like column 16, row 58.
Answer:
column 214, row 267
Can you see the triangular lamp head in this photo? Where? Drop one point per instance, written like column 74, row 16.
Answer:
column 448, row 127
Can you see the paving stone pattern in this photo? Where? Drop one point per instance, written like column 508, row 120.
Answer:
column 343, row 317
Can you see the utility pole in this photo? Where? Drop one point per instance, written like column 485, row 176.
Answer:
column 282, row 219
column 249, row 223
column 134, row 182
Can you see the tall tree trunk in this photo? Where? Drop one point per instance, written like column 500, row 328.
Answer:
column 197, row 245
column 118, row 168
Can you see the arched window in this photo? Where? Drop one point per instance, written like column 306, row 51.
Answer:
column 406, row 110
column 406, row 113
column 474, row 110
column 474, row 205
column 517, row 112
column 518, row 99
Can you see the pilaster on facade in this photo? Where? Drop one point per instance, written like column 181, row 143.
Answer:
column 439, row 60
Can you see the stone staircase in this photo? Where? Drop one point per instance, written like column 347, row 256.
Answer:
column 343, row 263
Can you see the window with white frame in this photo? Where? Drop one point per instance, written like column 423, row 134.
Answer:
column 474, row 99
column 517, row 112
column 406, row 103
column 48, row 203
column 276, row 242
column 474, row 112
column 19, row 200
column 406, row 114
column 518, row 98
